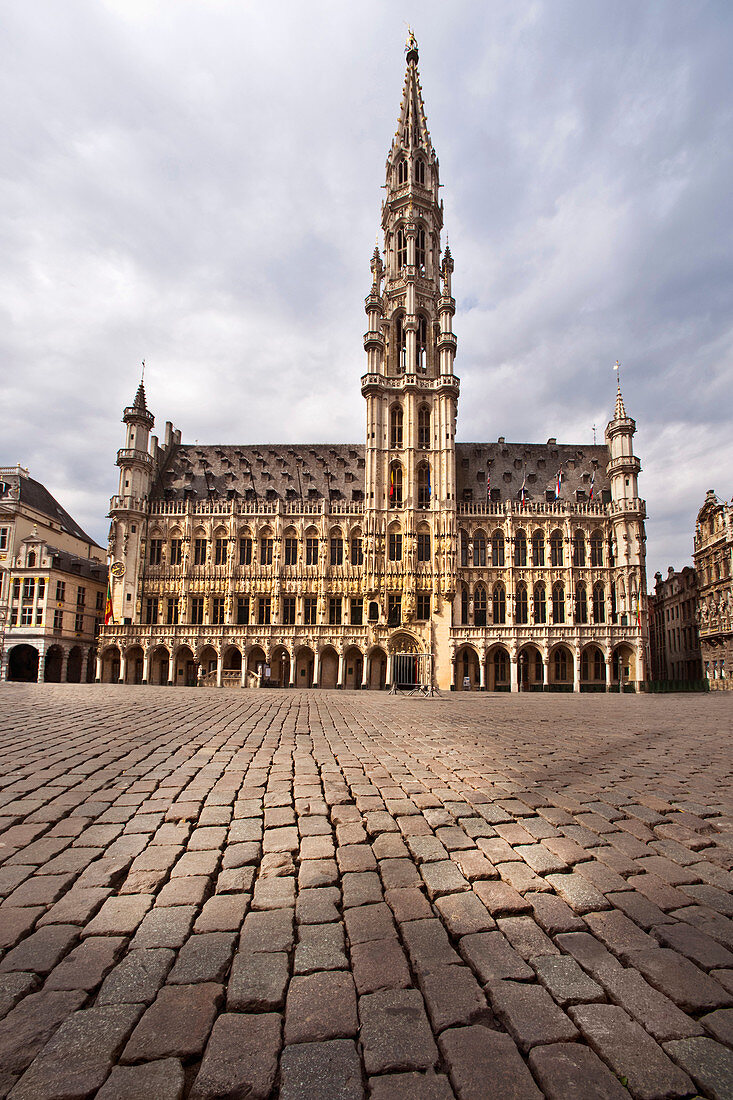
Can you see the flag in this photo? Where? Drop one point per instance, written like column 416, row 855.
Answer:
column 592, row 484
column 558, row 487
column 523, row 490
column 391, row 484
column 488, row 484
column 430, row 487
column 108, row 605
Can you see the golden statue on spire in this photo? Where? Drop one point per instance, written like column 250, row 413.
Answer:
column 411, row 45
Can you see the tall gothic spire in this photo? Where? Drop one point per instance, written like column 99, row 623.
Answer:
column 412, row 127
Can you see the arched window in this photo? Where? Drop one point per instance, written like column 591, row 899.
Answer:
column 464, row 605
column 596, row 548
column 420, row 171
column 560, row 660
column 395, row 426
column 581, row 604
column 401, row 249
column 479, row 548
column 423, row 544
column 422, row 344
column 400, row 344
column 579, row 548
column 538, row 548
column 558, row 603
column 31, row 559
column 522, row 610
column 540, row 604
column 479, row 605
column 497, row 548
column 463, row 541
column 599, row 604
column 498, row 603
column 556, row 554
column 336, row 546
column 401, row 171
column 520, row 548
column 423, row 427
column 395, row 486
column 394, row 538
column 424, row 487
column 420, row 249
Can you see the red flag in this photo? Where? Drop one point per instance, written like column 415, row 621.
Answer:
column 108, row 605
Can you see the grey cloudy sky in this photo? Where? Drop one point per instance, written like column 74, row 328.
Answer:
column 197, row 183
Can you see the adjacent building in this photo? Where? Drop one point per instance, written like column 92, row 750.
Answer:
column 407, row 560
column 713, row 557
column 673, row 629
column 53, row 580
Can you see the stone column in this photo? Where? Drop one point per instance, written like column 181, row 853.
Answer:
column 340, row 678
column 123, row 667
column 513, row 672
column 65, row 666
column 316, row 667
column 388, row 682
column 98, row 672
column 364, row 672
column 219, row 668
column 293, row 670
column 545, row 673
column 576, row 670
column 243, row 672
column 609, row 670
column 146, row 665
column 482, row 673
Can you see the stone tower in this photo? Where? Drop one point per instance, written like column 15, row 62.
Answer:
column 410, row 389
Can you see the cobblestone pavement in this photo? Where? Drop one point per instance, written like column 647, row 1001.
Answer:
column 335, row 895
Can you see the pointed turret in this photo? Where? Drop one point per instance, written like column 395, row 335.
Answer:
column 412, row 126
column 620, row 411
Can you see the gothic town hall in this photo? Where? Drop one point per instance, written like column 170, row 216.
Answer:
column 406, row 561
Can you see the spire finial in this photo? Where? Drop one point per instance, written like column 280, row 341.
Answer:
column 411, row 46
column 142, row 375
column 620, row 411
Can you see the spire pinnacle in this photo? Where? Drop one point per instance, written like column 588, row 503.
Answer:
column 412, row 127
column 139, row 402
column 620, row 410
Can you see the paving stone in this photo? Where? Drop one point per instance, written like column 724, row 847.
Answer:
column 694, row 944
column 28, row 1027
column 491, row 958
column 579, row 894
column 619, row 934
column 87, row 964
column 638, row 909
column 681, row 980
column 530, row 1015
column 321, row 1006
column 13, row 987
column 655, row 1012
column 720, row 1025
column 274, row 893
column 501, row 899
column 464, row 913
column 525, row 937
column 408, row 904
column 428, row 946
column 268, row 931
column 168, row 926
column 379, row 964
column 223, row 913
column 321, row 1071
column 369, row 922
column 177, row 1024
column 452, row 996
column 411, row 1086
column 320, row 947
column 361, row 888
column 42, row 950
column 137, row 977
column 553, row 915
column 76, row 1061
column 586, row 950
column 17, row 923
column 163, row 1080
column 205, row 957
column 630, row 1052
column 521, row 877
column 484, row 1063
column 388, row 1049
column 119, row 916
column 540, row 858
column 709, row 1064
column 241, row 1058
column 568, row 1071
column 565, row 981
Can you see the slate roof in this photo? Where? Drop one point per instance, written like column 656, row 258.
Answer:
column 80, row 567
column 31, row 493
column 269, row 471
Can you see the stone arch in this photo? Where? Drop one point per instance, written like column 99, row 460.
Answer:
column 592, row 669
column 531, row 670
column 377, row 672
column 280, row 667
column 353, row 667
column 624, row 666
column 134, row 658
column 74, row 665
column 159, row 665
column 256, row 661
column 185, row 667
column 304, row 660
column 498, row 669
column 328, row 667
column 52, row 664
column 561, row 668
column 467, row 668
column 110, row 665
column 231, row 666
column 23, row 664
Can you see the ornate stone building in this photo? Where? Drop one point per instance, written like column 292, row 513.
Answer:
column 53, row 579
column 713, row 556
column 409, row 558
column 673, row 628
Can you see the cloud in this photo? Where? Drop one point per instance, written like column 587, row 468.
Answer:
column 198, row 184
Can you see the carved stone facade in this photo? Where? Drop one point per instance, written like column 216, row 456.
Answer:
column 407, row 559
column 673, row 628
column 713, row 556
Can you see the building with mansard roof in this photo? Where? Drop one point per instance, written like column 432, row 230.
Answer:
column 407, row 560
column 713, row 557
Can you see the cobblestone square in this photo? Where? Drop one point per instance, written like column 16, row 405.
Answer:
column 216, row 893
